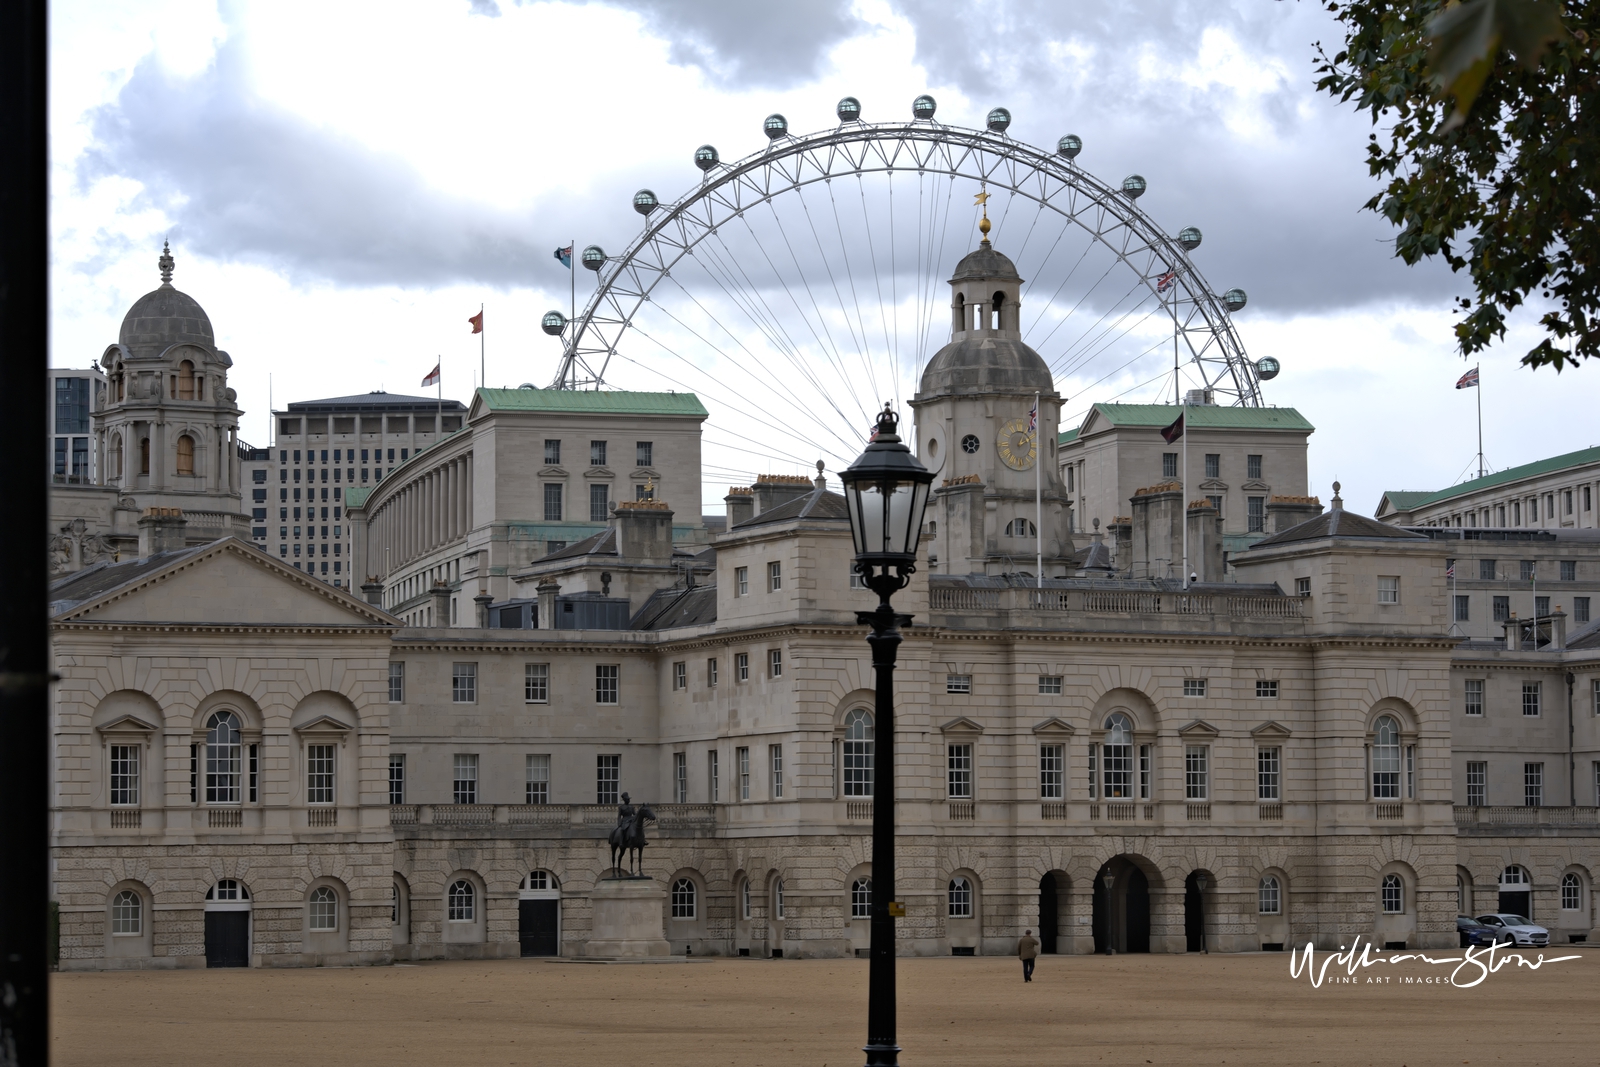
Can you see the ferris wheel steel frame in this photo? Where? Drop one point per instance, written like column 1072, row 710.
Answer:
column 729, row 190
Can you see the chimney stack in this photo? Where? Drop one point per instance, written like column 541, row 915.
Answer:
column 161, row 530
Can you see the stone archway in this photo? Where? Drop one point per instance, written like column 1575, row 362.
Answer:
column 1121, row 907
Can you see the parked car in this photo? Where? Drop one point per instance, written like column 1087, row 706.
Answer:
column 1522, row 931
column 1474, row 933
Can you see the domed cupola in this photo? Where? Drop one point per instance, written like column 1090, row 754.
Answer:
column 165, row 317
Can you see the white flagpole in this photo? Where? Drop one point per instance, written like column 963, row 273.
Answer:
column 483, row 365
column 1183, row 421
column 1479, row 370
column 1038, row 497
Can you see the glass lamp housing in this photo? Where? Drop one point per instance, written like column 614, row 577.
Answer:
column 886, row 491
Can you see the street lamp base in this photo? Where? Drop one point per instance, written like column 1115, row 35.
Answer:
column 882, row 1055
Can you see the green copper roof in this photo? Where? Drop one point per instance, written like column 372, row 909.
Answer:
column 1201, row 416
column 1068, row 435
column 1410, row 501
column 355, row 496
column 595, row 402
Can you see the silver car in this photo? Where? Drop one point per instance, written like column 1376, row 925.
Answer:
column 1522, row 931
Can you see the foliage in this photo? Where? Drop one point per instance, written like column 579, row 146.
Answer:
column 1503, row 183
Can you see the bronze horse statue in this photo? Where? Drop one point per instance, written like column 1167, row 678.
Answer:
column 628, row 837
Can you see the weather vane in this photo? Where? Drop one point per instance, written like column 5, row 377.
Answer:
column 983, row 223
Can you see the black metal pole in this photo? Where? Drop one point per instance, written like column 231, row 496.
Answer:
column 881, row 1048
column 24, row 657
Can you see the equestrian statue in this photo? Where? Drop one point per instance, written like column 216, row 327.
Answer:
column 627, row 837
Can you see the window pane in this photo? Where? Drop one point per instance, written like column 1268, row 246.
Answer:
column 319, row 774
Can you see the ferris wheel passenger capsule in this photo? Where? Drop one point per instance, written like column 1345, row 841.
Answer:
column 923, row 107
column 705, row 157
column 775, row 126
column 553, row 323
column 849, row 110
column 1069, row 146
column 594, row 257
column 1133, row 186
column 998, row 120
column 1267, row 368
column 1234, row 300
column 644, row 201
column 1189, row 238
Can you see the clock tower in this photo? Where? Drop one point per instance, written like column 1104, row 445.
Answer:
column 975, row 430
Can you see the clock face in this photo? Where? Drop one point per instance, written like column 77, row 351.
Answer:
column 1017, row 446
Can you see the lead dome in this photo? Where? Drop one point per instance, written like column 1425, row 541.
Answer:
column 164, row 317
column 986, row 353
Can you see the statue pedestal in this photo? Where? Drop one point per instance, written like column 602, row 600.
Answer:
column 627, row 920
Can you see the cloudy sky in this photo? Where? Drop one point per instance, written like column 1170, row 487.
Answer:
column 343, row 184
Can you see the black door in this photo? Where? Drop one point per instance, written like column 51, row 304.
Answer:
column 1517, row 904
column 1193, row 916
column 1047, row 914
column 227, row 939
column 1102, row 915
column 536, row 926
column 1138, row 906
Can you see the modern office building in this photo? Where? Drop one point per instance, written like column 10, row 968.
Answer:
column 73, row 397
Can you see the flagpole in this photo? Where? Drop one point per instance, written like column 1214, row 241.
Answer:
column 483, row 366
column 1183, row 418
column 572, row 280
column 1479, row 370
column 1038, row 498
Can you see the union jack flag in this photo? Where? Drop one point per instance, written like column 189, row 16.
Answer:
column 1166, row 281
column 1468, row 380
column 1033, row 417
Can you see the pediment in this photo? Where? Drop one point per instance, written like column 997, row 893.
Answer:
column 599, row 472
column 325, row 725
column 1256, row 487
column 1270, row 730
column 1213, row 483
column 1198, row 728
column 961, row 725
column 1054, row 727
column 128, row 724
column 1094, row 423
column 552, row 472
column 647, row 473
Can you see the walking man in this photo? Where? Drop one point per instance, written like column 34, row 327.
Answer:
column 1028, row 951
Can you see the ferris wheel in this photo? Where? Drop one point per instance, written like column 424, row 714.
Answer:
column 798, row 288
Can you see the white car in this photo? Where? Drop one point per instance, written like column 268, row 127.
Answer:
column 1522, row 931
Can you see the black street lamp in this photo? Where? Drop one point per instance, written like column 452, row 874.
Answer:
column 1200, row 894
column 886, row 490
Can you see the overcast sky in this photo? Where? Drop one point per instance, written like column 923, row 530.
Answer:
column 343, row 184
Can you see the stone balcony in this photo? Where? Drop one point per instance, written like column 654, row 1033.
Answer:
column 1506, row 821
column 1109, row 605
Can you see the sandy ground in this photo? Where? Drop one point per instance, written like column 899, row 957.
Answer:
column 1176, row 1010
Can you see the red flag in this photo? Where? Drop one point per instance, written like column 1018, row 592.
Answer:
column 433, row 375
column 1173, row 432
column 477, row 322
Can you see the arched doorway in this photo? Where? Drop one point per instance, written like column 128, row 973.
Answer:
column 1049, row 912
column 1516, row 892
column 227, row 910
column 1121, row 908
column 1194, row 912
column 539, row 914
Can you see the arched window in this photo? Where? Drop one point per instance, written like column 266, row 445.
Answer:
column 394, row 905
column 461, row 900
column 1394, row 895
column 1571, row 892
column 144, row 455
column 997, row 302
column 185, row 454
column 1386, row 759
column 744, row 899
column 1515, row 879
column 1119, row 757
column 1461, row 895
column 222, row 758
column 1021, row 527
column 683, row 899
column 227, row 889
column 1269, row 896
column 324, row 908
column 127, row 913
column 777, row 899
column 861, row 898
column 858, row 746
column 185, row 380
column 960, row 898
column 114, row 456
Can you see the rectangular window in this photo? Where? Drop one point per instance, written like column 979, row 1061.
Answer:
column 1530, row 570
column 599, row 502
column 1094, row 771
column 1169, row 464
column 775, row 662
column 742, row 757
column 680, row 675
column 1256, row 513
column 1502, row 608
column 774, row 577
column 1266, row 689
column 1463, row 607
column 72, row 405
column 552, row 452
column 464, row 683
column 538, row 788
column 1388, row 589
column 1474, row 704
column 1569, row 570
column 1486, row 570
column 1252, row 467
column 1516, row 513
column 1580, row 609
column 958, row 771
column 1566, row 501
column 253, row 766
column 741, row 581
column 714, row 776
column 1213, row 465
column 397, row 778
column 711, row 673
column 124, row 772
column 1196, row 773
column 644, row 491
column 465, row 784
column 1049, row 685
column 1530, row 697
column 1144, row 772
column 775, row 761
column 1215, row 501
column 1194, row 687
column 597, row 453
column 1477, row 783
column 1302, row 587
column 552, row 502
column 607, row 677
column 643, row 453
column 1541, row 606
column 1411, row 772
column 1532, row 785
column 958, row 683
column 741, row 666
column 680, row 777
column 319, row 774
column 607, row 776
column 1269, row 774
column 1052, row 772
column 536, row 683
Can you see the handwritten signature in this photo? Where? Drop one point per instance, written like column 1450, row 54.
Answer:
column 1478, row 963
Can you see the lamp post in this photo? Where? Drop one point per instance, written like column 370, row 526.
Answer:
column 886, row 490
column 1108, row 879
column 1200, row 885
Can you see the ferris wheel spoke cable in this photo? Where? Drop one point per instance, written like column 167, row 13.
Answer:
column 857, row 342
column 934, row 272
column 894, row 297
column 855, row 295
column 1088, row 334
column 1104, row 347
column 1074, row 309
column 1087, row 248
column 877, row 278
column 825, row 339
